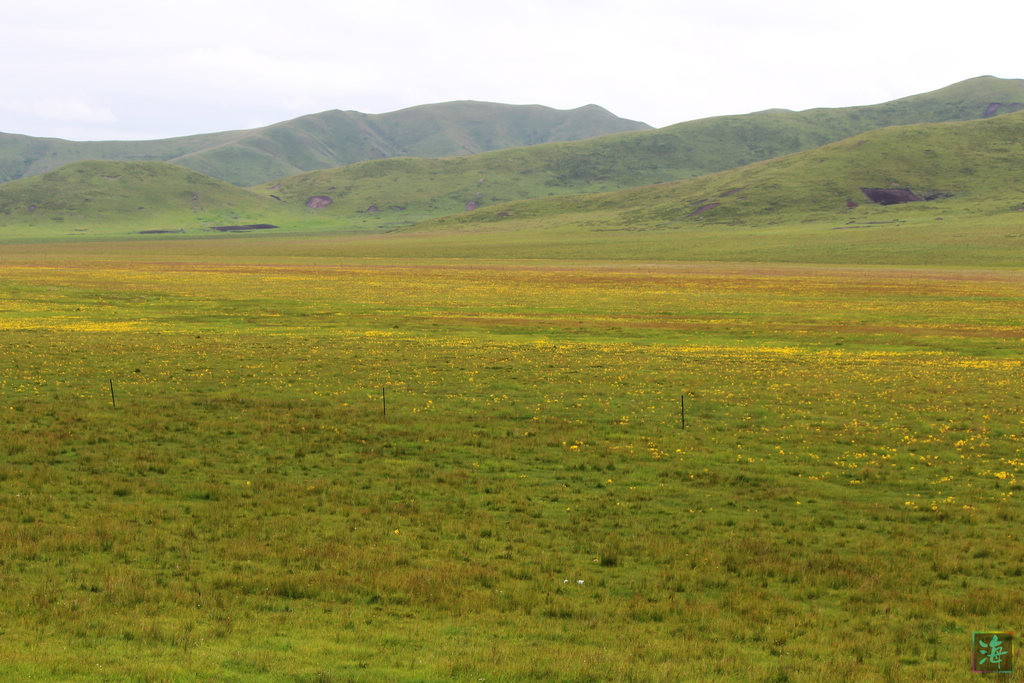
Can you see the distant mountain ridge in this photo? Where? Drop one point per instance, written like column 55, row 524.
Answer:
column 328, row 139
column 685, row 150
column 590, row 158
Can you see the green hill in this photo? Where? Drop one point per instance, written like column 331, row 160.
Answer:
column 594, row 161
column 22, row 156
column 808, row 206
column 416, row 188
column 93, row 198
column 805, row 207
column 545, row 200
column 328, row 139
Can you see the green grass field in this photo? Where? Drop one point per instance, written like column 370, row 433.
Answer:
column 318, row 466
column 747, row 426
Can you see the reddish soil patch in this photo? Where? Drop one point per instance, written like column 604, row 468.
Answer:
column 702, row 209
column 319, row 202
column 994, row 108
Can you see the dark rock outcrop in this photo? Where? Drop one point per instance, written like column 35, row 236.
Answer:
column 243, row 228
column 890, row 195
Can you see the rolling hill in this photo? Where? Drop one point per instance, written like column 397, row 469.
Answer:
column 571, row 151
column 544, row 200
column 966, row 180
column 91, row 198
column 806, row 207
column 325, row 140
column 416, row 188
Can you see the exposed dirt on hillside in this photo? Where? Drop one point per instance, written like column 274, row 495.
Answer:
column 1008, row 108
column 887, row 196
column 701, row 209
column 319, row 202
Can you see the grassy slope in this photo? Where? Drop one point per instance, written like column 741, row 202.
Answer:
column 328, row 139
column 789, row 209
column 337, row 138
column 25, row 156
column 786, row 209
column 794, row 208
column 107, row 197
column 686, row 150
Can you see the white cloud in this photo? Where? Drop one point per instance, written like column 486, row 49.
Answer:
column 69, row 109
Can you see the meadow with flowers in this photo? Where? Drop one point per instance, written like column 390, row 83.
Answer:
column 367, row 469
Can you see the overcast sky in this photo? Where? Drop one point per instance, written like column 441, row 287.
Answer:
column 125, row 69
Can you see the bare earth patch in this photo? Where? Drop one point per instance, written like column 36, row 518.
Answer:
column 702, row 209
column 319, row 202
column 887, row 196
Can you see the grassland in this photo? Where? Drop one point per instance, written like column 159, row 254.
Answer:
column 841, row 504
column 731, row 428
